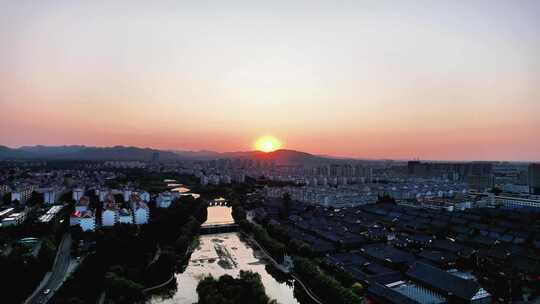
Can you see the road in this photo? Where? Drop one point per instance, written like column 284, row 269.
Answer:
column 57, row 275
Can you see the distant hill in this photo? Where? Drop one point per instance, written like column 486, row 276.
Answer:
column 84, row 153
column 6, row 153
column 281, row 157
column 198, row 155
column 51, row 150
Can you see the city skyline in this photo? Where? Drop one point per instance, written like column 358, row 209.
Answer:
column 368, row 79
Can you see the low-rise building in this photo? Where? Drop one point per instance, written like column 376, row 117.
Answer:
column 77, row 194
column 15, row 218
column 50, row 214
column 109, row 216
column 164, row 200
column 85, row 219
column 22, row 194
column 456, row 288
column 88, row 221
column 125, row 216
column 513, row 202
column 141, row 213
column 4, row 188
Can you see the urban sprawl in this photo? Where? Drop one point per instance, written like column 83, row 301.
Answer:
column 409, row 232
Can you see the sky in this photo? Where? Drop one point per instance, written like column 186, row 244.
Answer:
column 447, row 80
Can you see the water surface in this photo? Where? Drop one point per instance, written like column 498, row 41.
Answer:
column 227, row 253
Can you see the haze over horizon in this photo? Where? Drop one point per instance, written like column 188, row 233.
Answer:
column 367, row 79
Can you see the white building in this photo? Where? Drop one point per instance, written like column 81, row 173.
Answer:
column 141, row 213
column 16, row 196
column 127, row 195
column 77, row 194
column 85, row 219
column 4, row 189
column 109, row 217
column 50, row 196
column 125, row 216
column 145, row 196
column 125, row 164
column 164, row 200
column 50, row 214
column 226, row 179
column 204, row 180
column 515, row 202
column 239, row 178
column 14, row 219
column 88, row 221
column 22, row 194
column 6, row 212
column 214, row 180
column 103, row 194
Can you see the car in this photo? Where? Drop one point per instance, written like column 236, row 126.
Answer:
column 47, row 291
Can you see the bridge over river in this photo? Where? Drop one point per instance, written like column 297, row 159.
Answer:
column 219, row 218
column 218, row 228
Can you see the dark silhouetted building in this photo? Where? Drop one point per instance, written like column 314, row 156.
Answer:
column 534, row 179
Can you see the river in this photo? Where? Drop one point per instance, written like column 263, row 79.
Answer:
column 180, row 188
column 226, row 253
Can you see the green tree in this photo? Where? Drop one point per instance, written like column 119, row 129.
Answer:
column 358, row 289
column 229, row 290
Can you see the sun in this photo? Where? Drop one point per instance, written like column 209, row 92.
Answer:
column 267, row 144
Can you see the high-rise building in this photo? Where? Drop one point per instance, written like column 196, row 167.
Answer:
column 534, row 178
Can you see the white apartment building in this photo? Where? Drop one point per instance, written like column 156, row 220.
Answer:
column 125, row 164
column 4, row 189
column 16, row 196
column 126, row 194
column 226, row 179
column 77, row 194
column 50, row 214
column 164, row 200
column 109, row 217
column 103, row 194
column 141, row 214
column 145, row 196
column 22, row 194
column 50, row 196
column 6, row 212
column 125, row 216
column 15, row 218
column 515, row 202
column 88, row 221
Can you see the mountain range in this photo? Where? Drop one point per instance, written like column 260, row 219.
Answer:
column 145, row 154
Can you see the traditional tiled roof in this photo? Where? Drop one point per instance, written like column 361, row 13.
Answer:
column 443, row 281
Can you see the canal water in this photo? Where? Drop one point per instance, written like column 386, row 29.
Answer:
column 226, row 253
column 180, row 188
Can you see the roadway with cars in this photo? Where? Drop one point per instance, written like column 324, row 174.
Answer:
column 57, row 275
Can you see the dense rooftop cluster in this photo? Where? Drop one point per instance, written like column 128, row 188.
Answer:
column 409, row 254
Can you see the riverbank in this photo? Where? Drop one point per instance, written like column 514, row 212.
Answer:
column 226, row 254
column 313, row 277
column 285, row 271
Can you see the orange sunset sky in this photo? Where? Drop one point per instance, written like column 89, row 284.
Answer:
column 456, row 80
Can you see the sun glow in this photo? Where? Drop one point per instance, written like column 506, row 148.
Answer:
column 267, row 144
